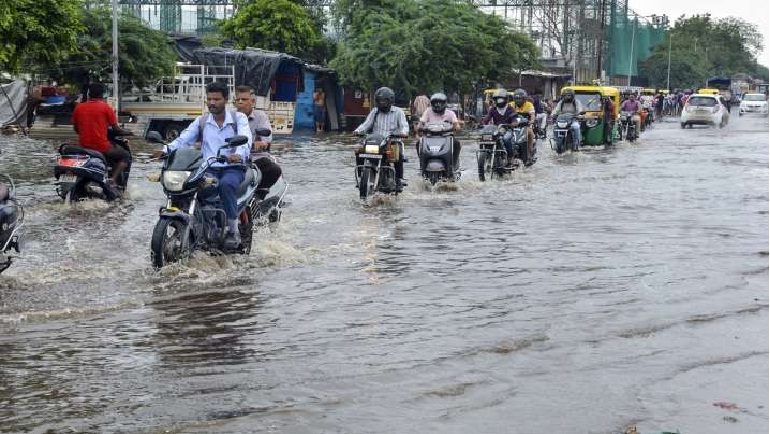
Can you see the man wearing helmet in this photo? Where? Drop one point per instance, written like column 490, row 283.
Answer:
column 525, row 108
column 502, row 113
column 386, row 119
column 439, row 113
column 569, row 104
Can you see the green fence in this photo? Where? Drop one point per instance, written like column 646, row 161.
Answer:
column 631, row 40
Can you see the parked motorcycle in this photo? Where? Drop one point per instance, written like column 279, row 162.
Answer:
column 437, row 159
column 562, row 131
column 82, row 173
column 11, row 222
column 627, row 126
column 193, row 218
column 375, row 170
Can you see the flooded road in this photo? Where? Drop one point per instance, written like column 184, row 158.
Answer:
column 588, row 293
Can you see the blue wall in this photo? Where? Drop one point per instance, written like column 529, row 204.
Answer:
column 303, row 113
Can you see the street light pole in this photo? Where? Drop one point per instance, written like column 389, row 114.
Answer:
column 668, row 71
column 115, row 80
column 631, row 58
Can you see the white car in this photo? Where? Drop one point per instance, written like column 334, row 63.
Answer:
column 702, row 109
column 753, row 103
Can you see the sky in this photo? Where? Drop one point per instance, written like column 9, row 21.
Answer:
column 756, row 12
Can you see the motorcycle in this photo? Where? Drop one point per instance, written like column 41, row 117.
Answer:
column 375, row 171
column 11, row 222
column 437, row 153
column 193, row 218
column 491, row 157
column 269, row 206
column 627, row 126
column 82, row 173
column 562, row 131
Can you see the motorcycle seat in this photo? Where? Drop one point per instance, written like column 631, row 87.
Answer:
column 79, row 150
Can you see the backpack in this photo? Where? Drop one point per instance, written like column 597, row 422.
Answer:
column 205, row 118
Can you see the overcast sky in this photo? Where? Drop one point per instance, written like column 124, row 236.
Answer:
column 752, row 11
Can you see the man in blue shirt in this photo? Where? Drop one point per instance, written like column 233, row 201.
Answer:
column 221, row 124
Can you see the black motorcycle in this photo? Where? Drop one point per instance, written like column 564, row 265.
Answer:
column 627, row 126
column 491, row 156
column 562, row 131
column 193, row 218
column 437, row 159
column 11, row 222
column 82, row 173
column 375, row 170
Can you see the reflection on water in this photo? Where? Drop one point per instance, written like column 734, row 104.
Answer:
column 611, row 286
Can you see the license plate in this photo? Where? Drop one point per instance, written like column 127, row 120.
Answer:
column 435, row 148
column 370, row 156
column 67, row 178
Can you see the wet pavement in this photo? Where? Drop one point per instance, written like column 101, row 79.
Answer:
column 587, row 293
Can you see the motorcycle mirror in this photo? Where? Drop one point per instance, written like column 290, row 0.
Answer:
column 154, row 137
column 264, row 132
column 233, row 142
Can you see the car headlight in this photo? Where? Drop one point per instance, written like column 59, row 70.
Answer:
column 173, row 180
column 372, row 149
column 592, row 122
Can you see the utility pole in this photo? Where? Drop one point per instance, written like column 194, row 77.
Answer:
column 631, row 57
column 115, row 78
column 600, row 46
column 668, row 72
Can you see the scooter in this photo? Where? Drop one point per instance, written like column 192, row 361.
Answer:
column 11, row 222
column 82, row 173
column 270, row 202
column 375, row 170
column 437, row 159
column 193, row 218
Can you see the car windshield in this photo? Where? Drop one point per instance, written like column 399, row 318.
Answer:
column 590, row 101
column 703, row 101
column 754, row 97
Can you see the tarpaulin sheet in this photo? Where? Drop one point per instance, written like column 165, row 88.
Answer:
column 13, row 103
column 254, row 67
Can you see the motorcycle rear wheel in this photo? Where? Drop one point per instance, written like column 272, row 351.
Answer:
column 166, row 244
column 246, row 229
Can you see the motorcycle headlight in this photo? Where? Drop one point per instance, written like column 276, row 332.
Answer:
column 372, row 149
column 590, row 123
column 173, row 180
column 486, row 137
column 561, row 124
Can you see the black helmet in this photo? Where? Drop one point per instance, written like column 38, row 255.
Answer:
column 501, row 98
column 519, row 95
column 384, row 97
column 438, row 102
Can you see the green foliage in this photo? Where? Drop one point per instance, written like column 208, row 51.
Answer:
column 46, row 27
column 702, row 47
column 144, row 54
column 425, row 46
column 277, row 25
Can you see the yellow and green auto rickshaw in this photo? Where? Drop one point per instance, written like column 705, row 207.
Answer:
column 597, row 127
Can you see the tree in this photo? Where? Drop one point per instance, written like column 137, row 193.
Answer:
column 426, row 45
column 701, row 48
column 276, row 25
column 144, row 54
column 45, row 27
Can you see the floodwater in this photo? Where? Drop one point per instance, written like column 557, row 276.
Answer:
column 588, row 293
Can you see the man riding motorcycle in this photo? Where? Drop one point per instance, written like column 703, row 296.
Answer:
column 632, row 105
column 569, row 104
column 385, row 120
column 502, row 113
column 526, row 108
column 220, row 124
column 439, row 113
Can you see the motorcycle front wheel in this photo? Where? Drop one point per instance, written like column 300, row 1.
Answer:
column 363, row 183
column 482, row 164
column 167, row 242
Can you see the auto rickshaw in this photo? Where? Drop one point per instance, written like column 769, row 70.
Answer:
column 708, row 91
column 594, row 127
